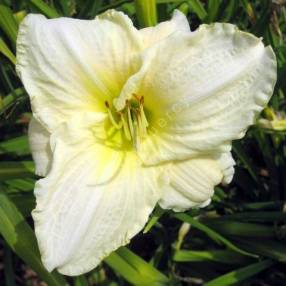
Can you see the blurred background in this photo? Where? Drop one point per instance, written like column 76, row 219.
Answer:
column 237, row 240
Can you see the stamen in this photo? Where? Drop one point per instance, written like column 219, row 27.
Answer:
column 139, row 124
column 143, row 117
column 130, row 123
column 136, row 135
column 125, row 127
column 114, row 123
column 132, row 119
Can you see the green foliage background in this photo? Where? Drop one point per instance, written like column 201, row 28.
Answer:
column 238, row 240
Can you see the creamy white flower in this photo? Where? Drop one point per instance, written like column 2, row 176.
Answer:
column 125, row 118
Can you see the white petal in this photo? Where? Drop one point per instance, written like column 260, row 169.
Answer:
column 226, row 163
column 68, row 65
column 152, row 35
column 39, row 140
column 203, row 90
column 189, row 183
column 94, row 200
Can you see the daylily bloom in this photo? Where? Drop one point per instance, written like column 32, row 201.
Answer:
column 124, row 119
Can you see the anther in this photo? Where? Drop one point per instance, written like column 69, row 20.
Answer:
column 141, row 101
column 136, row 97
column 106, row 104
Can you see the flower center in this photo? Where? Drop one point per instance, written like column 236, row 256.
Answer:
column 132, row 119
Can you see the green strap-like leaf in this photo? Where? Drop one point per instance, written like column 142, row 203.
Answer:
column 198, row 8
column 7, row 52
column 222, row 256
column 12, row 170
column 18, row 146
column 12, row 99
column 211, row 233
column 213, row 9
column 20, row 237
column 242, row 229
column 25, row 202
column 80, row 281
column 8, row 23
column 134, row 269
column 268, row 216
column 158, row 212
column 24, row 184
column 45, row 8
column 239, row 275
column 266, row 247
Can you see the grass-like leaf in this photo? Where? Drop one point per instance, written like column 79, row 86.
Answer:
column 21, row 238
column 134, row 269
column 212, row 234
column 45, row 8
column 8, row 23
column 238, row 276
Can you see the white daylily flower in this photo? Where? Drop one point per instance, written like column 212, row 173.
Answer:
column 125, row 118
